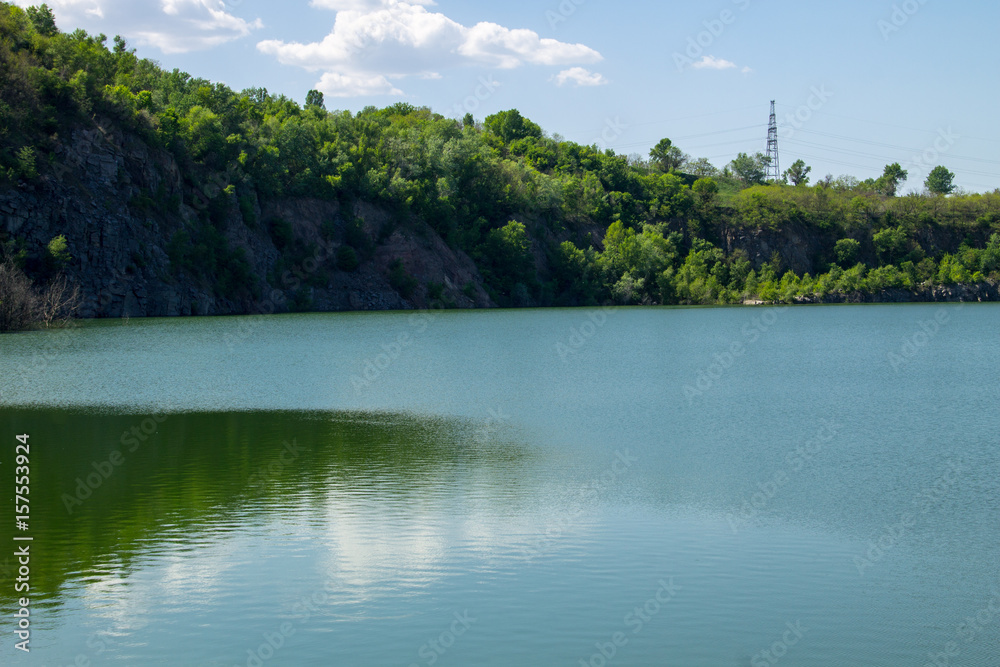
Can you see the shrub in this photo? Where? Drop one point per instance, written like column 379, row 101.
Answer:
column 347, row 259
column 400, row 280
column 57, row 253
column 435, row 291
column 281, row 233
column 18, row 301
column 847, row 251
column 22, row 304
column 26, row 163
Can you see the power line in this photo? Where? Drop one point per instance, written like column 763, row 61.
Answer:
column 879, row 157
column 694, row 136
column 894, row 147
column 893, row 125
column 672, row 120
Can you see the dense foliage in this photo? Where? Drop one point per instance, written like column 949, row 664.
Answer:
column 547, row 221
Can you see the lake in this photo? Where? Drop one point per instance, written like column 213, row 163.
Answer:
column 664, row 486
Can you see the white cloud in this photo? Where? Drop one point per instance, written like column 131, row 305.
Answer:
column 581, row 77
column 173, row 26
column 341, row 85
column 394, row 40
column 711, row 62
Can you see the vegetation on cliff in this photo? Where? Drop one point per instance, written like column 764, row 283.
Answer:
column 547, row 221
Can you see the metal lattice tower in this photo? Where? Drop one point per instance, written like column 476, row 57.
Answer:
column 773, row 169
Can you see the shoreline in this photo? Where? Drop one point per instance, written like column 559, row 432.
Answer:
column 888, row 297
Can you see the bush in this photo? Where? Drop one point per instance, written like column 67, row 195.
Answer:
column 26, row 163
column 57, row 253
column 400, row 280
column 18, row 301
column 347, row 259
column 847, row 251
column 22, row 304
column 281, row 233
column 247, row 211
column 355, row 236
column 435, row 291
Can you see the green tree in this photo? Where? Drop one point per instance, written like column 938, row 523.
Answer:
column 798, row 173
column 751, row 170
column 314, row 98
column 701, row 168
column 891, row 243
column 511, row 125
column 507, row 255
column 940, row 181
column 202, row 131
column 892, row 178
column 666, row 156
column 26, row 162
column 705, row 190
column 847, row 251
column 43, row 20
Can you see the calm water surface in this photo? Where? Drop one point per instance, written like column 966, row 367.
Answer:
column 808, row 486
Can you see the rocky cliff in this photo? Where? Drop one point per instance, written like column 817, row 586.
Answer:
column 150, row 237
column 121, row 204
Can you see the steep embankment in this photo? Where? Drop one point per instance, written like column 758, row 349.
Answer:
column 125, row 254
column 146, row 241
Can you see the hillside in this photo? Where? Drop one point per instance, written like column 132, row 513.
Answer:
column 177, row 196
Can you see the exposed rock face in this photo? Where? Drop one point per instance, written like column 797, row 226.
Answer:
column 795, row 245
column 99, row 195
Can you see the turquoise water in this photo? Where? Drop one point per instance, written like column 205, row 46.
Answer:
column 807, row 486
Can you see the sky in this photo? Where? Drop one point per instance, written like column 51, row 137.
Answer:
column 857, row 84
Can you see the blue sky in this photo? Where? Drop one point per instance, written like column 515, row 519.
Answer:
column 858, row 84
